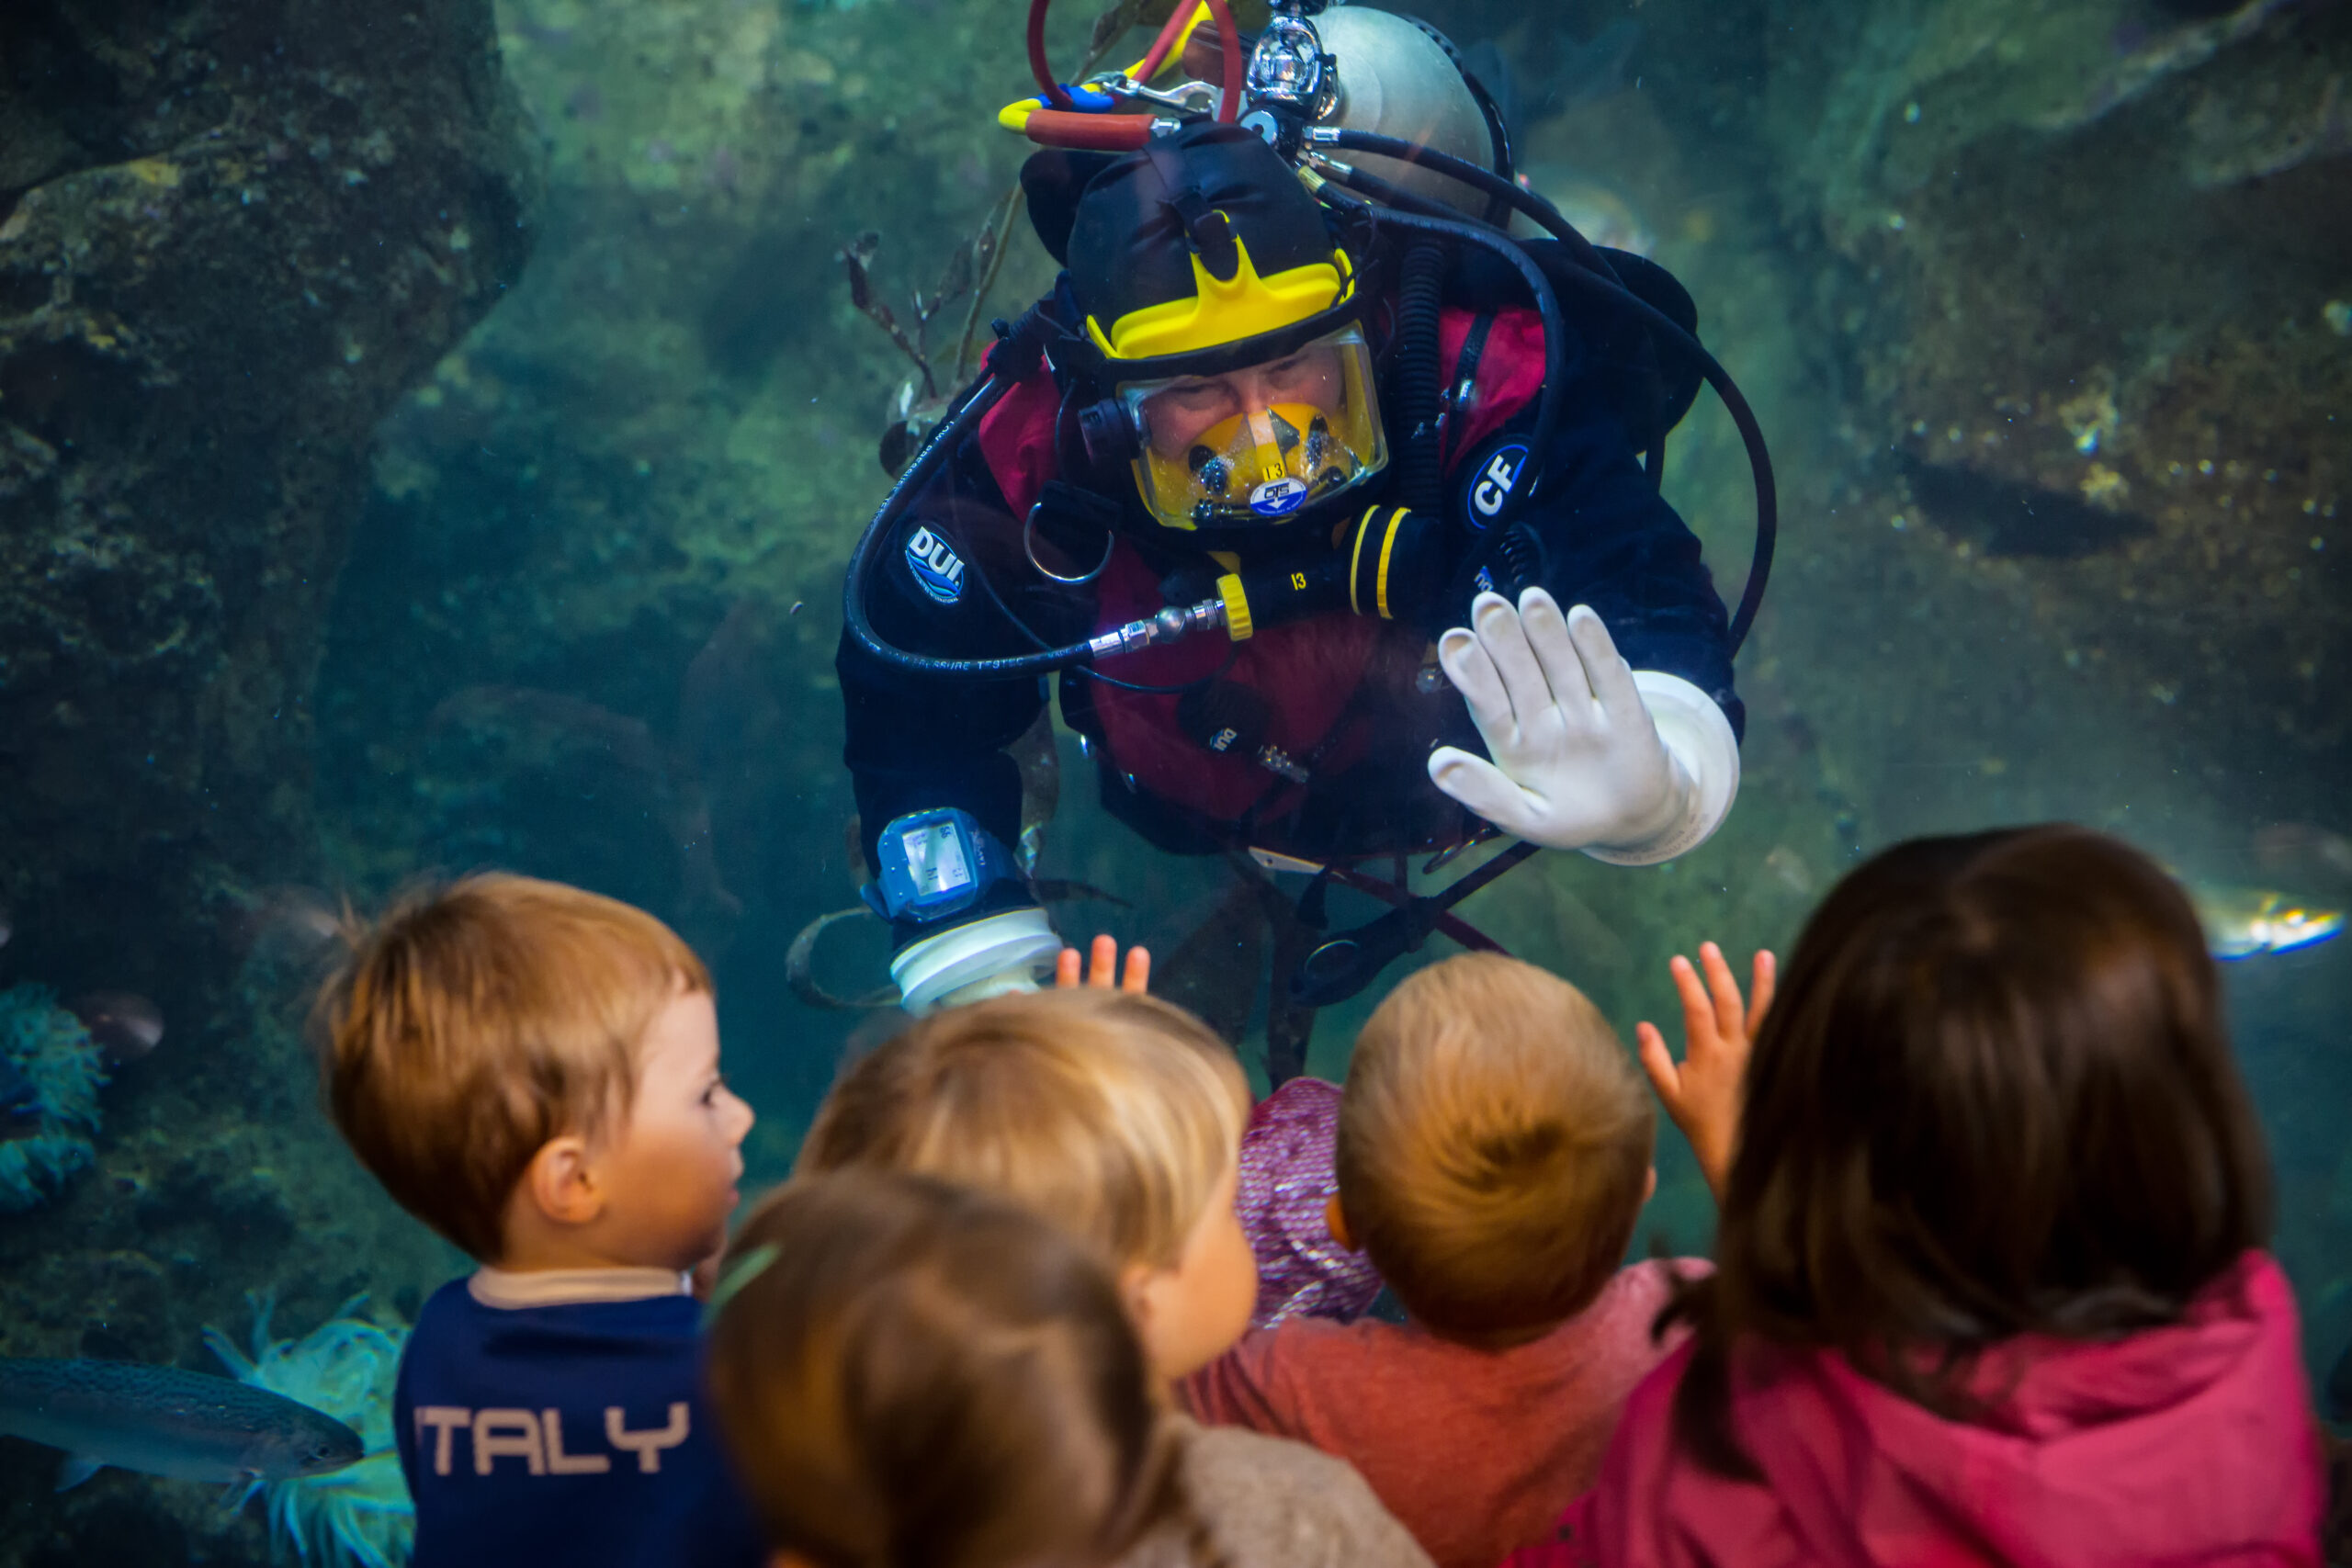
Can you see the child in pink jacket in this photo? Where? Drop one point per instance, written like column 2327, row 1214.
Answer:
column 1990, row 1285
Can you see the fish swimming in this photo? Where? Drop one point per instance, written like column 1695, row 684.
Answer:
column 2241, row 923
column 2299, row 847
column 164, row 1421
column 1599, row 210
column 125, row 1025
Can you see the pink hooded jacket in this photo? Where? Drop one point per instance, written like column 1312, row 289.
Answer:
column 2192, row 1443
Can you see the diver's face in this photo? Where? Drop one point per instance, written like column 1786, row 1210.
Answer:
column 1177, row 417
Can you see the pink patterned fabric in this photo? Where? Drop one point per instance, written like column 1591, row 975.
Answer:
column 2192, row 1443
column 1286, row 1182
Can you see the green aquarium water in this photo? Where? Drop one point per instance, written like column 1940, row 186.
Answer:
column 432, row 438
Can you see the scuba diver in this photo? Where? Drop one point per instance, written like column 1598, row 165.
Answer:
column 1367, row 442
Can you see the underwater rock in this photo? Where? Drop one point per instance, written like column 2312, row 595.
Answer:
column 2070, row 264
column 48, row 1138
column 233, row 233
column 2005, row 518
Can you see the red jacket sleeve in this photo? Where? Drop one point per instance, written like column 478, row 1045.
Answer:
column 1245, row 1387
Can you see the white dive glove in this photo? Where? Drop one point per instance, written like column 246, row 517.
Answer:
column 979, row 959
column 1630, row 766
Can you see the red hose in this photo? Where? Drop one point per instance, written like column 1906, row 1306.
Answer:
column 1169, row 32
column 1228, row 100
column 1095, row 132
column 1056, row 95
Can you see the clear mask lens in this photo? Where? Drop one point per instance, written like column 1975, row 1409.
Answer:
column 1256, row 445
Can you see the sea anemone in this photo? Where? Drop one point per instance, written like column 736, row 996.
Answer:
column 49, row 1049
column 347, row 1367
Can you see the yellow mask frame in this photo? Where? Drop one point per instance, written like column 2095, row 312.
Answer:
column 1293, row 436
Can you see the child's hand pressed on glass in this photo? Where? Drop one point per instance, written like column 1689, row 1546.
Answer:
column 1102, row 971
column 1703, row 1092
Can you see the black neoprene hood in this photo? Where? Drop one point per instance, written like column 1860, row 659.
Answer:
column 1141, row 220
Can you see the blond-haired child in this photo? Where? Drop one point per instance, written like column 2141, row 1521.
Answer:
column 1493, row 1154
column 1119, row 1118
column 533, row 1071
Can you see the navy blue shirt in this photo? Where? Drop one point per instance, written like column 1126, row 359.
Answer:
column 572, row 1433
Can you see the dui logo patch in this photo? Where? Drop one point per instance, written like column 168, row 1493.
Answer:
column 936, row 566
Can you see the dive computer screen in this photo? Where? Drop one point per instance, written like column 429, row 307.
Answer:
column 935, row 859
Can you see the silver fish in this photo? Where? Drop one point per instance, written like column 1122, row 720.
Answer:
column 164, row 1421
column 2241, row 923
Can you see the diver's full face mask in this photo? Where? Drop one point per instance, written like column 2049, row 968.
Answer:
column 1256, row 445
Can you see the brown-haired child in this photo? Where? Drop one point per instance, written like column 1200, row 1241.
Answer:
column 1493, row 1154
column 1991, row 1287
column 533, row 1071
column 913, row 1374
column 1119, row 1118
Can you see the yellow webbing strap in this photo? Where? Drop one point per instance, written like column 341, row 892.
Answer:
column 1355, row 559
column 1387, row 545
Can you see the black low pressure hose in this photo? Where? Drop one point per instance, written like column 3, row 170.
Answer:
column 1541, row 212
column 919, row 473
column 1751, row 436
column 1420, row 465
column 1600, row 280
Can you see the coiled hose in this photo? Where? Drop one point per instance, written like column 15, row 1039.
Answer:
column 1407, row 210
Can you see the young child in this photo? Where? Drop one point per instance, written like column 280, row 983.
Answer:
column 911, row 1373
column 1119, row 1118
column 1493, row 1154
column 1990, row 1288
column 533, row 1071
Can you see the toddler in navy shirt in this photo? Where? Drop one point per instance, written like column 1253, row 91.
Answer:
column 533, row 1071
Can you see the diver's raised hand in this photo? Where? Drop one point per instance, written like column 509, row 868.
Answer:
column 1103, row 967
column 1702, row 1092
column 1577, row 759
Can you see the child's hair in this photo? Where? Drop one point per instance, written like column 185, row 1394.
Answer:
column 1115, row 1114
column 477, row 1021
column 1494, row 1146
column 913, row 1374
column 1994, row 1096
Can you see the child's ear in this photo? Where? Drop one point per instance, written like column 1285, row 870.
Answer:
column 1135, row 1293
column 1649, row 1188
column 562, row 1185
column 1337, row 1219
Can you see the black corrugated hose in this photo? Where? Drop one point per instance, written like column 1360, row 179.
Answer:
column 1420, row 478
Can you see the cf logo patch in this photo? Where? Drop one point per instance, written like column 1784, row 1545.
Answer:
column 1491, row 484
column 939, row 569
